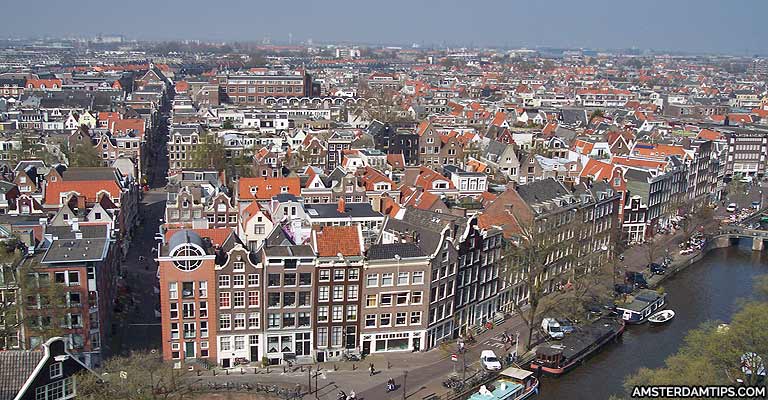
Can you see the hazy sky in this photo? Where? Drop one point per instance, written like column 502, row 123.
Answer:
column 728, row 26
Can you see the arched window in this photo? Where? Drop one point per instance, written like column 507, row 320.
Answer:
column 187, row 257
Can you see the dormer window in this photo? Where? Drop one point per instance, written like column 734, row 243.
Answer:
column 254, row 189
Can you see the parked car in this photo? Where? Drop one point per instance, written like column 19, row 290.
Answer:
column 732, row 207
column 489, row 360
column 637, row 280
column 756, row 205
column 657, row 269
column 566, row 325
column 552, row 328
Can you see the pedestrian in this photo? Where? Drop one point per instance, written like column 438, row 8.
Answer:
column 372, row 369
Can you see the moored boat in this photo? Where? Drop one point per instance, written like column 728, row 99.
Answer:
column 559, row 358
column 641, row 306
column 512, row 384
column 661, row 317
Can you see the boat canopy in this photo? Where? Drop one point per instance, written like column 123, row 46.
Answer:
column 517, row 373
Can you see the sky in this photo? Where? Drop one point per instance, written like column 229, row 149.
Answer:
column 695, row 26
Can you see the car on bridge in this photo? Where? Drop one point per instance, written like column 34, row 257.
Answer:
column 732, row 207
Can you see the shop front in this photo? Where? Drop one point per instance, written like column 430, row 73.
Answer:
column 390, row 342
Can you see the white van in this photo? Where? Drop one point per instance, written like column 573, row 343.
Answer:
column 552, row 328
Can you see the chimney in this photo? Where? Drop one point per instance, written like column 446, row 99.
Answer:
column 342, row 207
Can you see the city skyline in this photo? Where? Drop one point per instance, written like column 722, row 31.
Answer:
column 680, row 28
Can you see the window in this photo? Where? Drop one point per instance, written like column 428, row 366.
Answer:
column 55, row 370
column 322, row 314
column 305, row 279
column 273, row 320
column 400, row 318
column 289, row 320
column 174, row 309
column 289, row 280
column 224, row 298
column 304, row 319
column 336, row 336
column 273, row 280
column 322, row 336
column 338, row 274
column 73, row 278
column 203, row 329
column 254, row 320
column 352, row 292
column 372, row 280
column 173, row 290
column 338, row 293
column 238, row 300
column 225, row 321
column 416, row 297
column 337, row 313
column 325, row 275
column 58, row 390
column 239, row 266
column 402, row 278
column 189, row 330
column 223, row 281
column 188, row 310
column 202, row 288
column 402, row 299
column 386, row 299
column 239, row 342
column 322, row 293
column 253, row 280
column 370, row 320
column 385, row 319
column 386, row 279
column 238, row 281
column 225, row 344
column 203, row 309
column 239, row 321
column 418, row 277
column 415, row 317
column 352, row 312
column 353, row 274
column 174, row 330
column 370, row 300
column 253, row 299
column 289, row 299
column 304, row 298
column 187, row 289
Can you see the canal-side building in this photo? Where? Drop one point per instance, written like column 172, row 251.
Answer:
column 339, row 252
column 396, row 302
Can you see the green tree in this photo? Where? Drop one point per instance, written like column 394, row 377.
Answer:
column 138, row 376
column 598, row 113
column 84, row 155
column 10, row 320
column 228, row 125
column 209, row 153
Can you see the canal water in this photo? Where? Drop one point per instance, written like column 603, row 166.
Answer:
column 707, row 290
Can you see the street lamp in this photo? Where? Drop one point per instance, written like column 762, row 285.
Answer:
column 405, row 377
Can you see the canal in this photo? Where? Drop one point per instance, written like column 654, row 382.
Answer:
column 707, row 290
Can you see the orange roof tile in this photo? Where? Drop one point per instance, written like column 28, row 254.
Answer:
column 330, row 241
column 264, row 188
column 89, row 189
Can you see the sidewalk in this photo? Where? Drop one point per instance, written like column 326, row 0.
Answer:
column 421, row 373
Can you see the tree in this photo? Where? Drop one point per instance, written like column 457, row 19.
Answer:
column 209, row 153
column 532, row 260
column 717, row 354
column 228, row 125
column 598, row 113
column 737, row 192
column 10, row 316
column 84, row 155
column 138, row 376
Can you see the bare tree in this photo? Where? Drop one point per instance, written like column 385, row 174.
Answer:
column 138, row 376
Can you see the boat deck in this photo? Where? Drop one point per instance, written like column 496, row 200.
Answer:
column 582, row 338
column 501, row 390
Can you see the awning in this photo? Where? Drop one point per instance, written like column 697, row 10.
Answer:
column 516, row 373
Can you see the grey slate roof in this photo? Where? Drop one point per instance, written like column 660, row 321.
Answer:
column 15, row 368
column 540, row 191
column 88, row 231
column 351, row 210
column 389, row 251
column 90, row 174
column 75, row 250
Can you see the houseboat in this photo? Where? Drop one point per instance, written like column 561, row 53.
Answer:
column 562, row 356
column 512, row 384
column 643, row 305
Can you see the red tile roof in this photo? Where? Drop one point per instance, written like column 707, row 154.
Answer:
column 265, row 188
column 89, row 189
column 330, row 241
